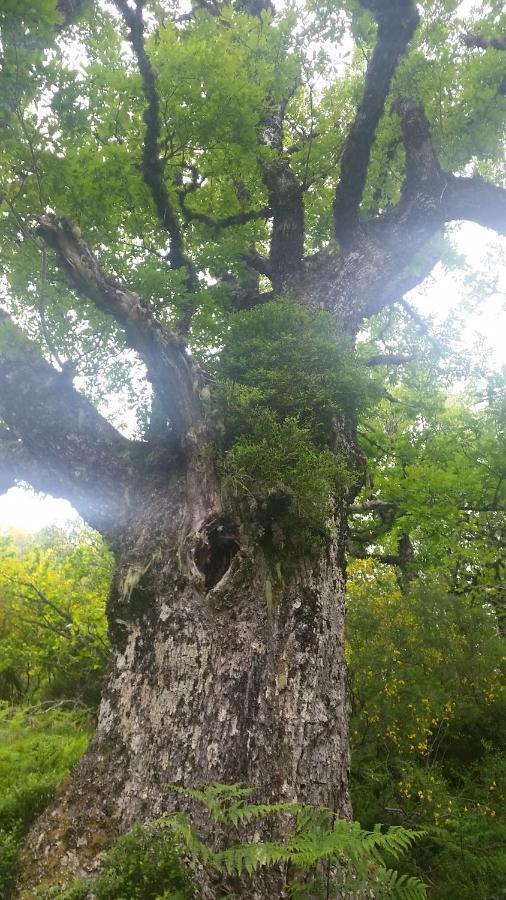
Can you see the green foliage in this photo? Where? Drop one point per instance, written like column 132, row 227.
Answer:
column 72, row 129
column 144, row 864
column 37, row 750
column 428, row 727
column 284, row 383
column 284, row 478
column 437, row 465
column 295, row 365
column 52, row 622
column 355, row 859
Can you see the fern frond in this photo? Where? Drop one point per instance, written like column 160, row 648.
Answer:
column 402, row 887
column 357, row 856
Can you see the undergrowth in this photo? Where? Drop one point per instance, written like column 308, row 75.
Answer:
column 38, row 748
column 144, row 864
column 322, row 855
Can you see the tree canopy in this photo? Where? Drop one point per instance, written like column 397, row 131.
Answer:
column 213, row 157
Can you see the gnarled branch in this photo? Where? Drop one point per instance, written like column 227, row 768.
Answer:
column 397, row 21
column 174, row 376
column 152, row 167
column 55, row 439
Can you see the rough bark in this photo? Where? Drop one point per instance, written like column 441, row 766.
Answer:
column 221, row 671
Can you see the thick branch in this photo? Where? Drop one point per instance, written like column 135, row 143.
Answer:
column 421, row 161
column 258, row 263
column 16, row 464
column 252, row 215
column 169, row 367
column 286, row 202
column 153, row 169
column 397, row 20
column 448, row 196
column 474, row 200
column 56, row 440
column 380, row 263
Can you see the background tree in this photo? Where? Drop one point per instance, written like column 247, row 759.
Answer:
column 427, row 732
column 222, row 172
column 52, row 631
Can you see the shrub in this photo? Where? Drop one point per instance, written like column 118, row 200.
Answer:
column 142, row 865
column 289, row 360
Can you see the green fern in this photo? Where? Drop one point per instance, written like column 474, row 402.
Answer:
column 228, row 802
column 355, row 859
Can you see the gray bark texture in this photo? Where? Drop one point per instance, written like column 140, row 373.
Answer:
column 242, row 680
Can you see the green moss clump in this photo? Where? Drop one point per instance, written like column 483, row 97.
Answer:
column 284, row 478
column 285, row 383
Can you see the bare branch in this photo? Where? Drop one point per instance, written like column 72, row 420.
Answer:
column 170, row 369
column 397, row 21
column 252, row 215
column 37, row 596
column 373, row 506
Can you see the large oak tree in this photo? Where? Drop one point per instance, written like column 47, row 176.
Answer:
column 166, row 174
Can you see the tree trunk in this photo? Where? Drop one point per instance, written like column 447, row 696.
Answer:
column 225, row 669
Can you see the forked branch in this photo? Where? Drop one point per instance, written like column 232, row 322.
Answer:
column 446, row 196
column 397, row 21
